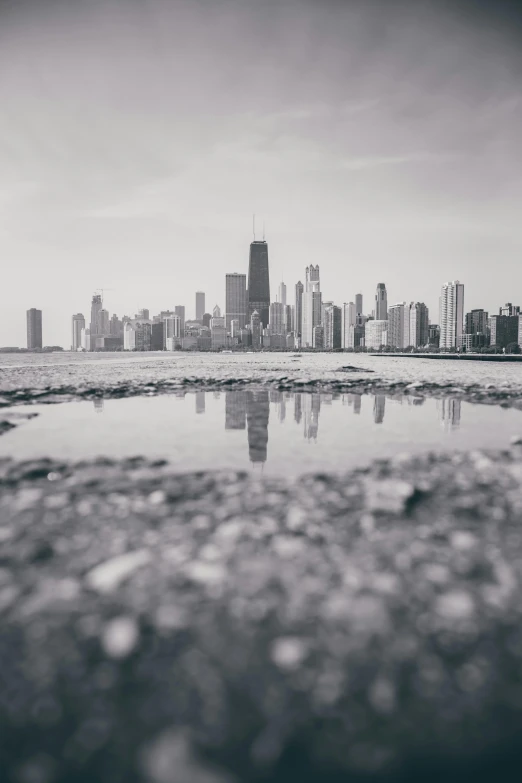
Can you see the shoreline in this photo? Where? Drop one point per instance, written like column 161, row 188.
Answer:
column 456, row 356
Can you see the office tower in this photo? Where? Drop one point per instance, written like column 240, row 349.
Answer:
column 381, row 303
column 258, row 414
column 172, row 332
column 115, row 326
column 282, row 293
column 399, row 326
column 298, row 325
column 503, row 330
column 259, row 281
column 137, row 335
column 451, row 314
column 277, row 318
column 234, row 328
column 419, row 324
column 103, row 322
column 206, row 320
column 157, row 336
column 379, row 407
column 86, row 339
column 359, row 335
column 312, row 300
column 255, row 328
column 216, row 312
column 218, row 331
column 34, row 329
column 348, row 326
column 434, row 335
column 235, row 410
column 477, row 322
column 358, row 304
column 78, row 323
column 236, row 299
column 179, row 310
column 376, row 334
column 289, row 318
column 143, row 314
column 332, row 328
column 200, row 305
column 318, row 337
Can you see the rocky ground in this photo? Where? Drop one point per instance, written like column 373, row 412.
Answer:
column 203, row 628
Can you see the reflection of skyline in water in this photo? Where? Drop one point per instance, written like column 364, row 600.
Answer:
column 250, row 410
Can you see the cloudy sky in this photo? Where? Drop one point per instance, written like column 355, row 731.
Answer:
column 380, row 139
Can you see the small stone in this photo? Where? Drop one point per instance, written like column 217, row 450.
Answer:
column 463, row 540
column 108, row 576
column 157, row 498
column 120, row 636
column 288, row 652
column 456, row 605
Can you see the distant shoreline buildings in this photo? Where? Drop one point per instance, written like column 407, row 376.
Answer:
column 252, row 320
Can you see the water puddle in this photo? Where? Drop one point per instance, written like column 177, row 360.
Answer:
column 282, row 433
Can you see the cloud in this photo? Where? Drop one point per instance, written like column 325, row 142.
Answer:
column 361, row 163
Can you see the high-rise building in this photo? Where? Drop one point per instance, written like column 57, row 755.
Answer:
column 96, row 308
column 137, row 335
column 376, row 334
column 451, row 314
column 103, row 322
column 504, row 330
column 358, row 304
column 200, row 305
column 236, row 299
column 172, row 332
column 34, row 329
column 434, row 335
column 419, row 325
column 277, row 322
column 333, row 328
column 143, row 314
column 255, row 328
column 318, row 337
column 282, row 293
column 115, row 326
column 259, row 281
column 348, row 325
column 216, row 312
column 509, row 309
column 218, row 332
column 399, row 326
column 477, row 322
column 157, row 337
column 78, row 323
column 180, row 311
column 298, row 325
column 312, row 301
column 206, row 320
column 381, row 303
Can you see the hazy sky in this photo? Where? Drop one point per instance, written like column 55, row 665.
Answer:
column 379, row 139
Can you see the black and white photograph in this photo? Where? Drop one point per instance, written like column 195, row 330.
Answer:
column 260, row 391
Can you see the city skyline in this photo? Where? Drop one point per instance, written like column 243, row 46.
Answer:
column 318, row 117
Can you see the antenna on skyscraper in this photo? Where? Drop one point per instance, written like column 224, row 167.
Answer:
column 254, row 226
column 263, row 230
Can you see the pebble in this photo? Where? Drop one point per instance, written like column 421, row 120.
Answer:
column 120, row 637
column 288, row 653
column 107, row 576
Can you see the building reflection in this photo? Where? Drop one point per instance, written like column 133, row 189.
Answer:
column 235, row 410
column 98, row 405
column 298, row 408
column 200, row 402
column 311, row 410
column 258, row 413
column 379, row 408
column 449, row 412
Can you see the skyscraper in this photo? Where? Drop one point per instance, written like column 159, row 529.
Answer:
column 34, row 329
column 419, row 325
column 376, row 334
column 381, row 303
column 298, row 326
column 348, row 325
column 282, row 293
column 200, row 305
column 277, row 321
column 399, row 325
column 180, row 310
column 358, row 304
column 255, row 327
column 312, row 301
column 235, row 299
column 259, row 281
column 332, row 328
column 96, row 308
column 78, row 323
column 451, row 314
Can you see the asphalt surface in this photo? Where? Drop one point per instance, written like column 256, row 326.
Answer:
column 165, row 628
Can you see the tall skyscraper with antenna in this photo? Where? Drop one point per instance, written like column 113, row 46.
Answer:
column 259, row 281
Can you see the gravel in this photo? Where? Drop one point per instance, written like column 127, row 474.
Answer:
column 160, row 627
